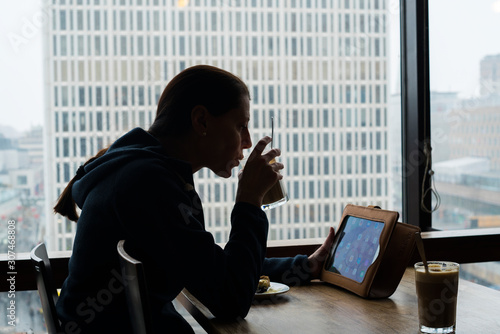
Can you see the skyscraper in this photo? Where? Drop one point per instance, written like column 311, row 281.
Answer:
column 490, row 75
column 318, row 67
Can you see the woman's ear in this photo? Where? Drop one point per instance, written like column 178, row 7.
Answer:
column 199, row 116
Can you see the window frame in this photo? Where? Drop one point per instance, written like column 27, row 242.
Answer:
column 415, row 109
column 478, row 245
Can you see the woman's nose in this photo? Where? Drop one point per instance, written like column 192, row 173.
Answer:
column 246, row 141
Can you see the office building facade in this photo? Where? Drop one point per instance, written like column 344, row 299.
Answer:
column 319, row 68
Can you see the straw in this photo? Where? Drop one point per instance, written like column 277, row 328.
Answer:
column 272, row 131
column 420, row 247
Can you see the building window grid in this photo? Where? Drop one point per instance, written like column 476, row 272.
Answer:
column 265, row 71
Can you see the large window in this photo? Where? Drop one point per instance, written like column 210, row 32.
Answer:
column 464, row 62
column 327, row 71
column 465, row 112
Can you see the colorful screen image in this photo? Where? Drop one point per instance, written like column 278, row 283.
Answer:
column 356, row 248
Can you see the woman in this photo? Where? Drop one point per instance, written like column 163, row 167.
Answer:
column 141, row 190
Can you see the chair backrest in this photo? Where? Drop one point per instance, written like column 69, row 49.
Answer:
column 46, row 287
column 136, row 291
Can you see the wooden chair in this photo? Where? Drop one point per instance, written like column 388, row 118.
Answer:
column 46, row 287
column 136, row 291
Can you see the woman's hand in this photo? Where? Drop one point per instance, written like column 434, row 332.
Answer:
column 258, row 174
column 318, row 258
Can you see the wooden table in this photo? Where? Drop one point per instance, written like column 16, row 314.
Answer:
column 323, row 308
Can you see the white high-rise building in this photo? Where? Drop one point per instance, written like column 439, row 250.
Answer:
column 319, row 67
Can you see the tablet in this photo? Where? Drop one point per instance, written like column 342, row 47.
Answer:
column 356, row 248
column 370, row 251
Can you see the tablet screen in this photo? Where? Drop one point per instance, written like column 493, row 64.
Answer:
column 357, row 247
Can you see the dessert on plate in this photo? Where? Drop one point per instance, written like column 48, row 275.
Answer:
column 264, row 284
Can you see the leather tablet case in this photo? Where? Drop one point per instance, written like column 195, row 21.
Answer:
column 370, row 252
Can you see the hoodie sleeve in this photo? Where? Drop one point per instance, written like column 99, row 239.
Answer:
column 229, row 291
column 292, row 271
column 164, row 221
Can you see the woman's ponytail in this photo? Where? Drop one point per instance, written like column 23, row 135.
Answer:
column 65, row 205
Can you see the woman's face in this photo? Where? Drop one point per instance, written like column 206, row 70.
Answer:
column 227, row 136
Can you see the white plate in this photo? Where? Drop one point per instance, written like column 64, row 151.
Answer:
column 274, row 289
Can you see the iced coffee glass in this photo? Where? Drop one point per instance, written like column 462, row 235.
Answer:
column 276, row 196
column 437, row 290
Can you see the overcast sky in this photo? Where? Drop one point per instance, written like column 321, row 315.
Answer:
column 460, row 36
column 21, row 88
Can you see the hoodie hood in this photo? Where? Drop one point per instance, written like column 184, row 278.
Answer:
column 136, row 144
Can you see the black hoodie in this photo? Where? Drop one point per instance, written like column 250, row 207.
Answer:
column 137, row 193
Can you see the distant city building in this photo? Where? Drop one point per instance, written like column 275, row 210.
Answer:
column 21, row 176
column 13, row 158
column 474, row 132
column 442, row 103
column 490, row 75
column 469, row 190
column 32, row 142
column 17, row 171
column 466, row 153
column 318, row 67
